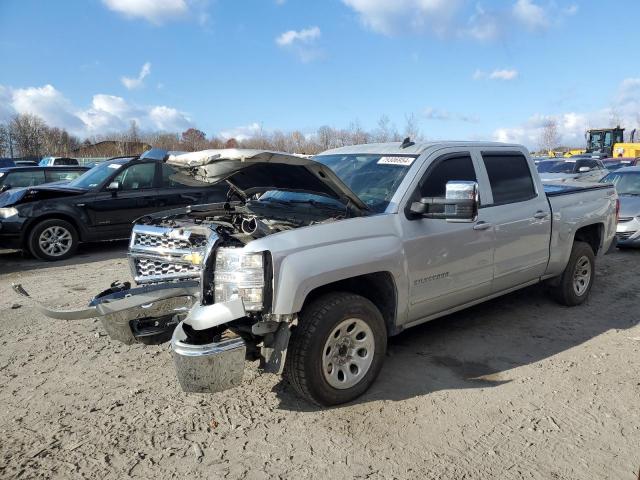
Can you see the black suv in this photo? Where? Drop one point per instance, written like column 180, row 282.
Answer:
column 50, row 220
column 18, row 177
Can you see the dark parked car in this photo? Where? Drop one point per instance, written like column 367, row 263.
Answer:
column 7, row 162
column 17, row 177
column 51, row 220
column 620, row 162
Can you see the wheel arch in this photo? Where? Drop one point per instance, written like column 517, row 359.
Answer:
column 591, row 234
column 50, row 216
column 378, row 287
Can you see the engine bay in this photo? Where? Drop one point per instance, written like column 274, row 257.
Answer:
column 238, row 223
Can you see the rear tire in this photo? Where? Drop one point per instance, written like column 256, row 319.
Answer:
column 53, row 239
column 337, row 349
column 574, row 285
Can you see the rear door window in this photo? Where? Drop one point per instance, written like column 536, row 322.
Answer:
column 25, row 179
column 509, row 177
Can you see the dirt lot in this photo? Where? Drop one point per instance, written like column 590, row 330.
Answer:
column 516, row 388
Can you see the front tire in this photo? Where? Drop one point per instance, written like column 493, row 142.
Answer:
column 53, row 239
column 337, row 350
column 576, row 281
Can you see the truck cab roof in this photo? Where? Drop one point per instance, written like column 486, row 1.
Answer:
column 418, row 148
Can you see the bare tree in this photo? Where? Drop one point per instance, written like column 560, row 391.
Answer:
column 27, row 132
column 325, row 137
column 384, row 131
column 411, row 128
column 4, row 140
column 549, row 137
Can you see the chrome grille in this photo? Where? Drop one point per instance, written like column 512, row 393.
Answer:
column 160, row 254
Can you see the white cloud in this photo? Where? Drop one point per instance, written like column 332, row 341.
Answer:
column 622, row 110
column 571, row 10
column 307, row 35
column 389, row 17
column 531, row 15
column 483, row 25
column 106, row 113
column 301, row 42
column 504, row 74
column 431, row 113
column 158, row 12
column 46, row 102
column 136, row 82
column 241, row 133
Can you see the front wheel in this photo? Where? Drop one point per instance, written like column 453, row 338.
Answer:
column 575, row 283
column 53, row 239
column 337, row 349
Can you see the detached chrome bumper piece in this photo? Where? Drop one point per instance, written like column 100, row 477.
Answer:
column 131, row 314
column 215, row 366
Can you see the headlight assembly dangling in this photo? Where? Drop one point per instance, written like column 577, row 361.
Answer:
column 239, row 274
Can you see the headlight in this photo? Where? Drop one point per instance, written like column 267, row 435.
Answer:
column 8, row 212
column 239, row 274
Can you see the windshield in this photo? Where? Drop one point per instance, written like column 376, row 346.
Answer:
column 96, row 176
column 373, row 178
column 545, row 165
column 562, row 167
column 595, row 140
column 284, row 196
column 626, row 183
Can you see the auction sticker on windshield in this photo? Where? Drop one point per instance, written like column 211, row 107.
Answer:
column 400, row 161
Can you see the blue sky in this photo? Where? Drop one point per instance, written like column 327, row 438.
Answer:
column 493, row 69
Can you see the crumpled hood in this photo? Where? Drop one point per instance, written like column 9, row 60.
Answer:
column 629, row 206
column 252, row 171
column 18, row 196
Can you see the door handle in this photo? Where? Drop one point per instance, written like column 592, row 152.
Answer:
column 482, row 226
column 540, row 215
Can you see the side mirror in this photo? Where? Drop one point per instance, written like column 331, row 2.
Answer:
column 584, row 169
column 113, row 187
column 459, row 205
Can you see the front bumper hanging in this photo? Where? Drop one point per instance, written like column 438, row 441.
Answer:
column 131, row 314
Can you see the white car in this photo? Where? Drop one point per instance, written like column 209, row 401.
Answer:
column 58, row 162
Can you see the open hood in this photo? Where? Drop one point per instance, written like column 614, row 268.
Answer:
column 253, row 171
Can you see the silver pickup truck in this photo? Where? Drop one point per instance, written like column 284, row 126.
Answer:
column 312, row 264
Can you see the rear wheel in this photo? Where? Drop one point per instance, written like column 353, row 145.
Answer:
column 575, row 283
column 53, row 239
column 337, row 350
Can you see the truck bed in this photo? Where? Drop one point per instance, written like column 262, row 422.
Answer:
column 554, row 189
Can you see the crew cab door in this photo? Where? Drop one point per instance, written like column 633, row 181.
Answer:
column 449, row 264
column 112, row 212
column 520, row 212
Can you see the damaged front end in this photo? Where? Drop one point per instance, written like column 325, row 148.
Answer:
column 200, row 283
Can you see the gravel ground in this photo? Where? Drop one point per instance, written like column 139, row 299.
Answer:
column 516, row 388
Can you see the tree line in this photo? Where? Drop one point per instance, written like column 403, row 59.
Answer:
column 28, row 136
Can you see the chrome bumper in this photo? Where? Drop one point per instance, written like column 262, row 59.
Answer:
column 132, row 314
column 209, row 368
column 214, row 366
